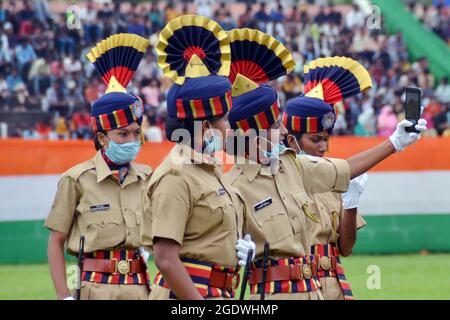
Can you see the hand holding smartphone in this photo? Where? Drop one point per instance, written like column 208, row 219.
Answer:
column 412, row 107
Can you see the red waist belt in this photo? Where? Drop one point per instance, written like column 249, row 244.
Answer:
column 118, row 266
column 289, row 275
column 209, row 279
column 329, row 265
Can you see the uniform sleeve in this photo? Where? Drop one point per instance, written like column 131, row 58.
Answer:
column 170, row 203
column 325, row 174
column 64, row 205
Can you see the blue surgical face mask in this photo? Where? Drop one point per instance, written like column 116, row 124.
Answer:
column 301, row 152
column 277, row 149
column 212, row 145
column 122, row 153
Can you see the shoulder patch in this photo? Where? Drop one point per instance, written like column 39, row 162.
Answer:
column 145, row 169
column 166, row 167
column 231, row 176
column 76, row 171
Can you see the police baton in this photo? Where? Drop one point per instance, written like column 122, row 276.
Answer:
column 264, row 273
column 80, row 266
column 246, row 274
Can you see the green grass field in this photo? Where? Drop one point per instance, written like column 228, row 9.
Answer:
column 402, row 277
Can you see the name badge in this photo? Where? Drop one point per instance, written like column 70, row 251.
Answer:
column 221, row 192
column 262, row 204
column 99, row 207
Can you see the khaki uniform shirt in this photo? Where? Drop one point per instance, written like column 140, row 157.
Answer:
column 187, row 201
column 328, row 208
column 275, row 199
column 91, row 202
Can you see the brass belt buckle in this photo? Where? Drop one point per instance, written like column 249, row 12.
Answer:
column 123, row 266
column 307, row 272
column 325, row 263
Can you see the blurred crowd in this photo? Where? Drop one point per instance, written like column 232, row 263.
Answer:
column 44, row 69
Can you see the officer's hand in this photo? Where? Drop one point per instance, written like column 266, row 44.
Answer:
column 242, row 248
column 355, row 189
column 400, row 139
column 144, row 253
column 69, row 298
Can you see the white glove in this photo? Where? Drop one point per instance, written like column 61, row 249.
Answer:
column 144, row 253
column 400, row 139
column 355, row 189
column 69, row 298
column 242, row 248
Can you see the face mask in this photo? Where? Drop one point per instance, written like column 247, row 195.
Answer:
column 122, row 153
column 301, row 152
column 212, row 145
column 277, row 149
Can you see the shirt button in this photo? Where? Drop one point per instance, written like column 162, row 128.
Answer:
column 103, row 223
column 283, row 197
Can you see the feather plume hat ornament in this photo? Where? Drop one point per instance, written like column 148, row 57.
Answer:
column 116, row 58
column 327, row 81
column 194, row 52
column 256, row 58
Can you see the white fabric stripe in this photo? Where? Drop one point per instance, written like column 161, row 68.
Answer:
column 27, row 197
column 387, row 193
column 406, row 193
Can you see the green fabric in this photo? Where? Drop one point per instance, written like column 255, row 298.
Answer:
column 26, row 241
column 420, row 41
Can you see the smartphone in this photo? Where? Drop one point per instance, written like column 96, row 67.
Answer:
column 412, row 107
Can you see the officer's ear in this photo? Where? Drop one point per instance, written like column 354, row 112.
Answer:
column 292, row 143
column 102, row 139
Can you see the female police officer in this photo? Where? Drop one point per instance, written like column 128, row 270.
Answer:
column 100, row 199
column 332, row 223
column 192, row 218
column 281, row 191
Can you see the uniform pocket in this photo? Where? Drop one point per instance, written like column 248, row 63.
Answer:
column 103, row 229
column 274, row 223
column 210, row 213
column 223, row 207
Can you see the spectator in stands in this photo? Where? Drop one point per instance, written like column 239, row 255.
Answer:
column 73, row 96
column 92, row 90
column 17, row 88
column 261, row 17
column 56, row 99
column 442, row 121
column 4, row 93
column 151, row 92
column 80, row 125
column 137, row 26
column 156, row 18
column 443, row 91
column 61, row 130
column 25, row 55
column 387, row 121
column 204, row 8
column 44, row 129
column 89, row 20
column 39, row 75
column 354, row 17
column 152, row 132
column 59, row 53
